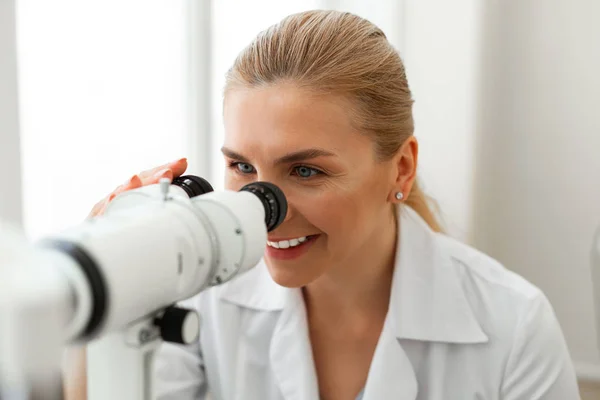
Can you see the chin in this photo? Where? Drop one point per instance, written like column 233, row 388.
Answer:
column 291, row 276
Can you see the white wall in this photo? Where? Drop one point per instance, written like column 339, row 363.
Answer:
column 442, row 58
column 537, row 197
column 387, row 15
column 10, row 152
column 506, row 111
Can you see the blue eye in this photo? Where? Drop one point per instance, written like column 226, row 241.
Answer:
column 306, row 172
column 244, row 168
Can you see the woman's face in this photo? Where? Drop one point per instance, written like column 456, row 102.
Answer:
column 338, row 194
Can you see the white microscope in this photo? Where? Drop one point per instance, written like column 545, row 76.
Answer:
column 113, row 282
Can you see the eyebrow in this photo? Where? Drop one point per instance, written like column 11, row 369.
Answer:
column 289, row 158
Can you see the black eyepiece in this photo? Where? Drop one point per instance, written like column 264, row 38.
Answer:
column 193, row 185
column 273, row 200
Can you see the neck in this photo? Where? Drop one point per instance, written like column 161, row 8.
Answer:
column 359, row 288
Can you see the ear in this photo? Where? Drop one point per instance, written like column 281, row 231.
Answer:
column 405, row 169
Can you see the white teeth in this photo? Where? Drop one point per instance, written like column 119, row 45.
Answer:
column 285, row 244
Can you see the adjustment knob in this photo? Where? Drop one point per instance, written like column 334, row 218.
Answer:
column 164, row 184
column 179, row 325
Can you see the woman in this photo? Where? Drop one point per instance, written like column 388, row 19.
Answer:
column 358, row 294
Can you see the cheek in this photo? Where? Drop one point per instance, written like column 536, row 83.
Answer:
column 342, row 216
column 230, row 183
column 233, row 181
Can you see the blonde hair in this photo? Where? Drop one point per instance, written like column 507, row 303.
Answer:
column 339, row 53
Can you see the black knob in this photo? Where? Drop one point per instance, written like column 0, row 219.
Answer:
column 193, row 185
column 179, row 325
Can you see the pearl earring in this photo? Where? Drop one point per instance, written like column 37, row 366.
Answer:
column 399, row 195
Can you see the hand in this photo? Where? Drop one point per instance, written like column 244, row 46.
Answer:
column 170, row 170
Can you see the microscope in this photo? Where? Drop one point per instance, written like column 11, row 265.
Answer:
column 114, row 281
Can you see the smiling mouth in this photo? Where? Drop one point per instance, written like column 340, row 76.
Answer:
column 291, row 243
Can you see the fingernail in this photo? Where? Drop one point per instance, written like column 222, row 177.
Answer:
column 130, row 180
column 181, row 160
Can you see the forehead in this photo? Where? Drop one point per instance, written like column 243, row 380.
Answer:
column 282, row 118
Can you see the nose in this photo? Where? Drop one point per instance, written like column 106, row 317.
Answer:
column 289, row 213
column 290, row 204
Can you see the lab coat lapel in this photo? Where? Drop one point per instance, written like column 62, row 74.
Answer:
column 391, row 375
column 291, row 353
column 428, row 302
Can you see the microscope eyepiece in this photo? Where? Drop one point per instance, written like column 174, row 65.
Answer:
column 273, row 201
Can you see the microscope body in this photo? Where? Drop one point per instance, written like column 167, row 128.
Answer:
column 119, row 276
column 188, row 245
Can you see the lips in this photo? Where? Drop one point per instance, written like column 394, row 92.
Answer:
column 289, row 249
column 285, row 244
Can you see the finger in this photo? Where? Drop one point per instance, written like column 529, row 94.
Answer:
column 178, row 167
column 96, row 209
column 165, row 173
column 133, row 183
column 102, row 208
column 99, row 207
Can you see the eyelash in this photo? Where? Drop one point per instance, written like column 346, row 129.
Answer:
column 234, row 165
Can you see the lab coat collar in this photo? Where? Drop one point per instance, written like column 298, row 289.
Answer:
column 256, row 289
column 428, row 302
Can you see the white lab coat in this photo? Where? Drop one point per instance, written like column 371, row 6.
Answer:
column 459, row 327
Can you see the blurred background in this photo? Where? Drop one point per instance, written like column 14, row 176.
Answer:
column 507, row 110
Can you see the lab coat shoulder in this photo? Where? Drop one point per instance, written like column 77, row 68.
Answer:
column 498, row 297
column 520, row 322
